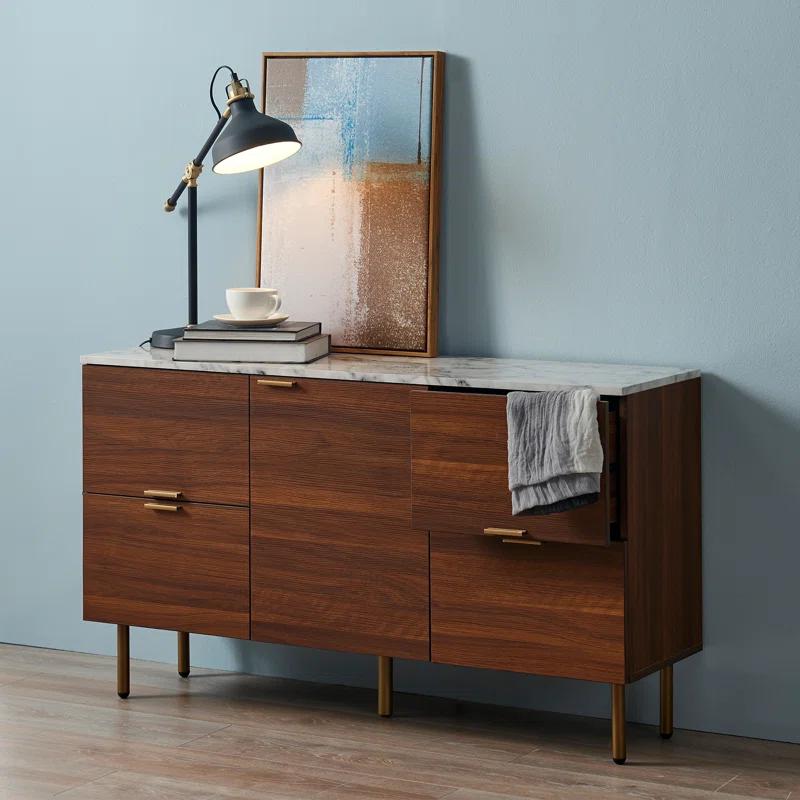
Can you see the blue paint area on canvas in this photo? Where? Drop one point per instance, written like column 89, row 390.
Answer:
column 382, row 106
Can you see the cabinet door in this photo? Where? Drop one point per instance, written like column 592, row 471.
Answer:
column 460, row 471
column 185, row 570
column 555, row 609
column 335, row 562
column 165, row 430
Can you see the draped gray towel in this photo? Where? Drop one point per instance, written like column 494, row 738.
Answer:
column 555, row 456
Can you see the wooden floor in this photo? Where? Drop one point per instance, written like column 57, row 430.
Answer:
column 64, row 733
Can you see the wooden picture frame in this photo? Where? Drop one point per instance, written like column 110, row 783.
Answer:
column 425, row 342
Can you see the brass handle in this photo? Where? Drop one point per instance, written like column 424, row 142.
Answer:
column 161, row 507
column 162, row 493
column 281, row 384
column 516, row 532
column 522, row 541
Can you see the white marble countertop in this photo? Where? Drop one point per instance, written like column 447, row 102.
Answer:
column 477, row 373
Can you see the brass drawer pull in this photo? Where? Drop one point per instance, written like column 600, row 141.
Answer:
column 161, row 507
column 516, row 532
column 281, row 384
column 522, row 541
column 162, row 493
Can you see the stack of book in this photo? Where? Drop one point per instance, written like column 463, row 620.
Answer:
column 287, row 343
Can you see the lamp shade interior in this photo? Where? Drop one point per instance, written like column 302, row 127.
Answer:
column 252, row 140
column 256, row 157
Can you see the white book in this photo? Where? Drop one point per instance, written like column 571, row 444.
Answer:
column 257, row 352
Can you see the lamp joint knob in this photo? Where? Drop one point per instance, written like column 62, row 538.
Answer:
column 191, row 173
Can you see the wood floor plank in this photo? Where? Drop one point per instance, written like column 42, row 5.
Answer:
column 344, row 725
column 679, row 762
column 203, row 786
column 774, row 785
column 117, row 722
column 42, row 783
column 134, row 786
column 29, row 769
column 515, row 778
column 10, row 675
column 628, row 790
column 107, row 754
column 64, row 733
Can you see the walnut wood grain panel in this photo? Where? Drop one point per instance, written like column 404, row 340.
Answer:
column 162, row 429
column 551, row 610
column 460, row 472
column 335, row 562
column 187, row 570
column 660, row 434
column 340, row 585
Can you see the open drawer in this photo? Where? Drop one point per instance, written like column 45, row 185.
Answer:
column 459, row 456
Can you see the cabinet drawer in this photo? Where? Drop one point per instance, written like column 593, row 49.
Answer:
column 163, row 430
column 554, row 609
column 459, row 446
column 338, row 449
column 186, row 570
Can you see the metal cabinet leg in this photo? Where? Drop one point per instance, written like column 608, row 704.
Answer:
column 384, row 686
column 666, row 702
column 183, row 654
column 618, row 749
column 123, row 661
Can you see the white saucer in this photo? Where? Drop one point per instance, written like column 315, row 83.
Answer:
column 263, row 322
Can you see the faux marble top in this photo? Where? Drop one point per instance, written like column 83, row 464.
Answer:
column 463, row 371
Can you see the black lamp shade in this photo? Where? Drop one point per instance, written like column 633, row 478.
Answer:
column 252, row 140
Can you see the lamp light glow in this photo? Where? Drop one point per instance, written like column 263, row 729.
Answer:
column 256, row 157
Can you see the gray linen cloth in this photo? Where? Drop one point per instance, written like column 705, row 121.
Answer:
column 555, row 456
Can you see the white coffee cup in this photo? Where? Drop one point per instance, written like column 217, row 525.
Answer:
column 253, row 303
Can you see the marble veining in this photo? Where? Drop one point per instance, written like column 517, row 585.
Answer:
column 461, row 371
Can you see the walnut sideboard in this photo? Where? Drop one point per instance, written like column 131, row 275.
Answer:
column 361, row 504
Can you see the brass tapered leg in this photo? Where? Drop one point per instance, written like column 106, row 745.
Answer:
column 183, row 654
column 384, row 686
column 666, row 702
column 123, row 661
column 618, row 751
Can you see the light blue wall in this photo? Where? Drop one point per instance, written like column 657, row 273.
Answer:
column 622, row 183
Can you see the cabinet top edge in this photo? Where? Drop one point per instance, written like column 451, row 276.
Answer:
column 459, row 372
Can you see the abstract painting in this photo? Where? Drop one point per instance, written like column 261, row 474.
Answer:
column 348, row 227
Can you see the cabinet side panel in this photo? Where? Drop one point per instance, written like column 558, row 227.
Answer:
column 660, row 437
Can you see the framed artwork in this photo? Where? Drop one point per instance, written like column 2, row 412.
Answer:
column 348, row 228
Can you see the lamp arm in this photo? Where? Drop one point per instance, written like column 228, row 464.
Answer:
column 189, row 180
column 195, row 166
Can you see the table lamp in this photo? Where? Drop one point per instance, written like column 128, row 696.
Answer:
column 251, row 140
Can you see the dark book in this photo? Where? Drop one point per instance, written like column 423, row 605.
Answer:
column 285, row 332
column 242, row 350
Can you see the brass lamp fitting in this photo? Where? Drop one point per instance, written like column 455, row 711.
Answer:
column 238, row 90
column 191, row 173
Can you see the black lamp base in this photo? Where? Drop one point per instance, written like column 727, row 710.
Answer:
column 165, row 338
